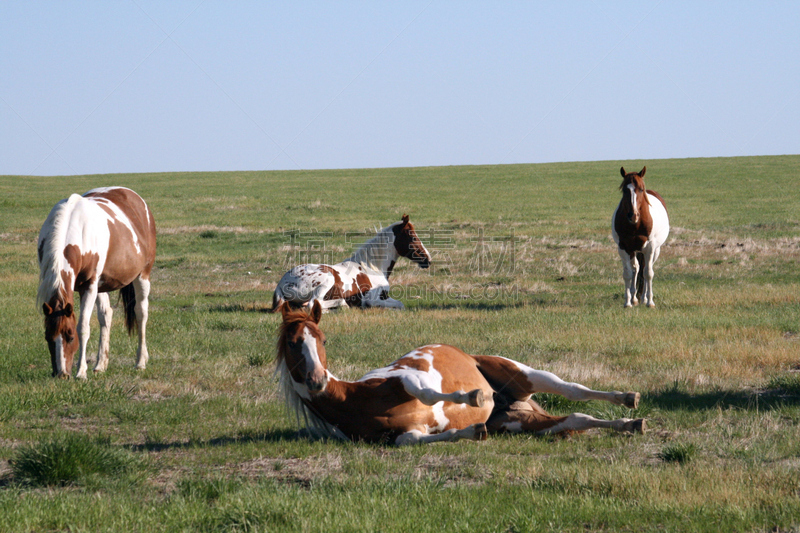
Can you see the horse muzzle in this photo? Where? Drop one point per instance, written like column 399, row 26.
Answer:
column 316, row 381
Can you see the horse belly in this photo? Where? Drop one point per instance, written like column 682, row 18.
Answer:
column 660, row 230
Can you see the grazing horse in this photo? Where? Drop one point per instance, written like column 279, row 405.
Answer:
column 99, row 242
column 640, row 226
column 433, row 393
column 360, row 281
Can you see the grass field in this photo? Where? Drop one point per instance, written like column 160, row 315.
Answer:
column 524, row 267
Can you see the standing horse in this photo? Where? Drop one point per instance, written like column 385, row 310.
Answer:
column 99, row 242
column 640, row 226
column 433, row 393
column 362, row 280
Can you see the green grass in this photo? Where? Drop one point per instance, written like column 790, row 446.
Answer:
column 524, row 267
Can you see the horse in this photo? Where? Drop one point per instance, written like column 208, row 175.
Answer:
column 640, row 226
column 433, row 393
column 362, row 280
column 102, row 241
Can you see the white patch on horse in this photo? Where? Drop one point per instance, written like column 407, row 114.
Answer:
column 632, row 189
column 61, row 363
column 119, row 215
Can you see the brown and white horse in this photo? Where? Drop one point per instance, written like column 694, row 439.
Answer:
column 436, row 392
column 640, row 226
column 362, row 280
column 99, row 242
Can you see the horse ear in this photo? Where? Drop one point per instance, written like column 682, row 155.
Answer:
column 405, row 219
column 316, row 312
column 622, row 171
column 284, row 308
column 68, row 310
column 642, row 172
column 47, row 309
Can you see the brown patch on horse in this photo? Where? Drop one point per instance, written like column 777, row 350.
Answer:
column 633, row 235
column 59, row 321
column 84, row 266
column 521, row 416
column 408, row 245
column 353, row 296
column 504, row 377
column 122, row 254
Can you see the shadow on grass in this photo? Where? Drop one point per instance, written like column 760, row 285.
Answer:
column 240, row 308
column 475, row 305
column 763, row 400
column 269, row 436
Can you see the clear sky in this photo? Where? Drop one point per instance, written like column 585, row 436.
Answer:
column 152, row 86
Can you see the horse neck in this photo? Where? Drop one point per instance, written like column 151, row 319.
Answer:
column 378, row 253
column 308, row 413
column 52, row 263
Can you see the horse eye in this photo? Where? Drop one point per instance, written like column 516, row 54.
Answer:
column 324, row 342
column 68, row 338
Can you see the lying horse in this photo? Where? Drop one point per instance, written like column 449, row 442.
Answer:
column 360, row 281
column 99, row 242
column 433, row 393
column 640, row 226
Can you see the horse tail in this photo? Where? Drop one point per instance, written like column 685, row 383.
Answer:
column 277, row 301
column 128, row 296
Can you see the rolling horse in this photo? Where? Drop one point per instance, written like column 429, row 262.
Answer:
column 362, row 280
column 102, row 241
column 433, row 393
column 640, row 226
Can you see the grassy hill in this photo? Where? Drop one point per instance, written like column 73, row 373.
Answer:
column 524, row 267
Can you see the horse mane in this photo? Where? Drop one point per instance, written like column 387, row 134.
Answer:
column 305, row 415
column 370, row 254
column 51, row 264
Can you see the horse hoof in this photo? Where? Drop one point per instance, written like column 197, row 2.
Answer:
column 651, row 305
column 632, row 400
column 636, row 426
column 63, row 376
column 480, row 431
column 476, row 398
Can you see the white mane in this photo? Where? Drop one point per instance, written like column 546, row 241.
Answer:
column 376, row 253
column 54, row 233
column 305, row 416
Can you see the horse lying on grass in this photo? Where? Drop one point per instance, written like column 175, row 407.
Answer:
column 362, row 280
column 433, row 393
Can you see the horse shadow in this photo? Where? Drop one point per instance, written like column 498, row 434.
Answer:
column 225, row 440
column 254, row 307
column 673, row 399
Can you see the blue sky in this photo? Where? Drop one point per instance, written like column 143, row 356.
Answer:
column 152, row 86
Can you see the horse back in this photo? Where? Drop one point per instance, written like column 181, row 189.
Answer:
column 131, row 246
column 658, row 196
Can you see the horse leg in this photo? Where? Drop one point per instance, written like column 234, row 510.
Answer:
column 415, row 436
column 141, row 287
column 629, row 272
column 582, row 422
column 520, row 381
column 649, row 262
column 379, row 297
column 104, row 315
column 529, row 416
column 88, row 298
column 428, row 395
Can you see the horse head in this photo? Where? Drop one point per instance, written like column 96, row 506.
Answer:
column 634, row 195
column 301, row 346
column 408, row 245
column 59, row 331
